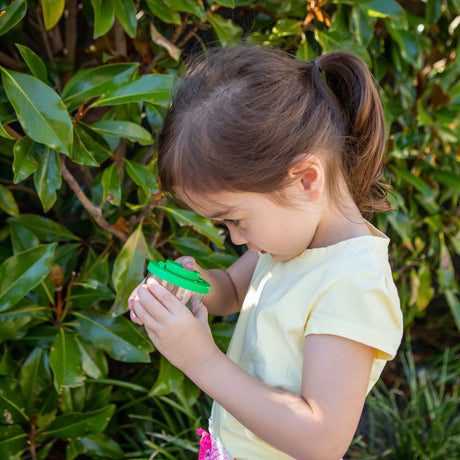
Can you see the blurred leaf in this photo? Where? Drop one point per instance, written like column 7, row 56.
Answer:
column 125, row 129
column 47, row 178
column 454, row 305
column 4, row 133
column 12, row 15
column 13, row 441
column 384, row 9
column 40, row 111
column 103, row 446
column 141, row 176
column 117, row 336
column 45, row 229
column 128, row 269
column 191, row 218
column 7, row 202
column 73, row 426
column 189, row 6
column 286, row 27
column 191, row 247
column 103, row 17
column 14, row 323
column 89, row 83
column 22, row 272
column 448, row 178
column 11, row 403
column 154, row 89
column 65, row 361
column 52, row 11
column 125, row 11
column 226, row 30
column 161, row 10
column 169, row 379
column 26, row 158
column 111, row 184
column 34, row 62
column 34, row 376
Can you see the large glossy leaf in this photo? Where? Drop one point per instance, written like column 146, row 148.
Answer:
column 47, row 178
column 189, row 6
column 13, row 441
column 125, row 11
column 128, row 268
column 111, row 185
column 73, row 426
column 7, row 202
column 141, row 176
column 34, row 62
column 12, row 15
column 102, row 446
column 191, row 218
column 52, row 11
column 40, row 110
column 117, row 336
column 22, row 272
column 154, row 89
column 15, row 322
column 12, row 403
column 168, row 380
column 103, row 16
column 26, row 158
column 80, row 153
column 125, row 129
column 45, row 229
column 90, row 83
column 94, row 360
column 66, row 361
column 226, row 30
column 384, row 9
column 34, row 376
column 161, row 10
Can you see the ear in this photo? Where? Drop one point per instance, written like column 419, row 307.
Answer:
column 309, row 175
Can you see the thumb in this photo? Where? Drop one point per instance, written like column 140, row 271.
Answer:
column 188, row 263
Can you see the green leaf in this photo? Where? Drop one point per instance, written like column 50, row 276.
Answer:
column 73, row 426
column 7, row 202
column 154, row 89
column 226, row 30
column 12, row 15
column 34, row 376
column 34, row 62
column 40, row 111
column 162, row 11
column 11, row 403
column 201, row 224
column 454, row 305
column 286, row 27
column 90, row 83
column 4, row 133
column 13, row 441
column 117, row 336
column 80, row 154
column 128, row 269
column 188, row 6
column 450, row 179
column 384, row 9
column 103, row 17
column 191, row 247
column 93, row 142
column 141, row 176
column 100, row 445
column 111, row 184
column 22, row 272
column 26, row 158
column 52, row 12
column 47, row 178
column 22, row 238
column 125, row 11
column 93, row 359
column 65, row 361
column 44, row 228
column 125, row 129
column 169, row 379
column 14, row 323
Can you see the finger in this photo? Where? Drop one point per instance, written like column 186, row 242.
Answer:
column 187, row 262
column 145, row 317
column 169, row 301
column 133, row 296
column 134, row 317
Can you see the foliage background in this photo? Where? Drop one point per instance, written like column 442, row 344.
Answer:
column 84, row 85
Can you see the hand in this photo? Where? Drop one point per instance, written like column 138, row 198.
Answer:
column 182, row 336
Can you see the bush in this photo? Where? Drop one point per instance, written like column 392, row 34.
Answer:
column 84, row 87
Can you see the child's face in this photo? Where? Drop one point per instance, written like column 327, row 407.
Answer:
column 262, row 224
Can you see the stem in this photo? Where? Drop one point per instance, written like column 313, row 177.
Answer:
column 33, row 435
column 94, row 211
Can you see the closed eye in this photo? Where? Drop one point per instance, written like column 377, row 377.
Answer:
column 232, row 222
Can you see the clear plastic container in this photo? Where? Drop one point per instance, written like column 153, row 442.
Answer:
column 185, row 284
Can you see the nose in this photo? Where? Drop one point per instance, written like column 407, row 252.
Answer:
column 237, row 236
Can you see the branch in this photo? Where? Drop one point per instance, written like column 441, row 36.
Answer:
column 94, row 211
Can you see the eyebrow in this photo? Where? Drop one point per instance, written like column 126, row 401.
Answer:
column 220, row 214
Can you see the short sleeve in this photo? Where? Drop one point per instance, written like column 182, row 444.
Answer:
column 362, row 306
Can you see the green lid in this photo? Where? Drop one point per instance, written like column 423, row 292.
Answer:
column 174, row 273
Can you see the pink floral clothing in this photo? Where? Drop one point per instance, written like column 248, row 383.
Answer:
column 210, row 448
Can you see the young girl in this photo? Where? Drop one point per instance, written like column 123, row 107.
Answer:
column 288, row 155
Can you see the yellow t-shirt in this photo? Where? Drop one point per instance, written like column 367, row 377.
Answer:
column 345, row 289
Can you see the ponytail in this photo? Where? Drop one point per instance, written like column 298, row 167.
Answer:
column 358, row 100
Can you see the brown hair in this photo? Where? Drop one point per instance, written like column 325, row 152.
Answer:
column 243, row 115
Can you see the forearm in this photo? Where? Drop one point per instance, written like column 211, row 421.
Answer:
column 282, row 419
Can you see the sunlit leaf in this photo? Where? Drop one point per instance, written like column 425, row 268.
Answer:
column 40, row 110
column 125, row 129
column 125, row 11
column 7, row 202
column 47, row 178
column 26, row 158
column 34, row 62
column 161, row 10
column 103, row 17
column 52, row 11
column 12, row 15
column 226, row 30
column 141, row 176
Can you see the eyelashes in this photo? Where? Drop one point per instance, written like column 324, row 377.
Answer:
column 232, row 222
